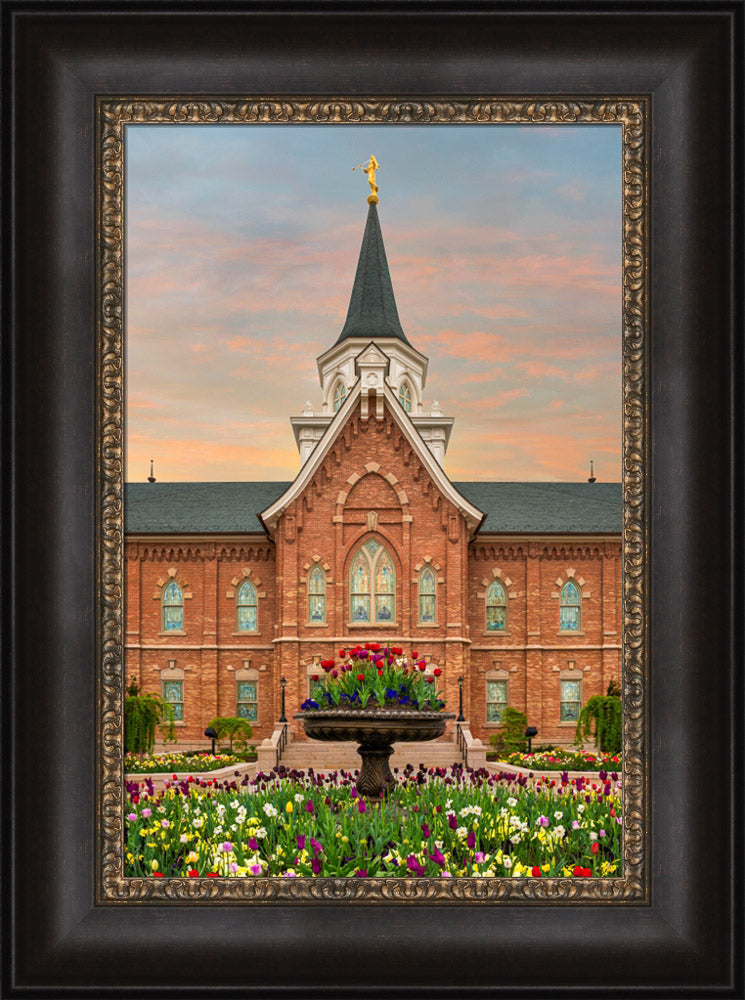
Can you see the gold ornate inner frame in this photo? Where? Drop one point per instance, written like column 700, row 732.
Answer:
column 112, row 115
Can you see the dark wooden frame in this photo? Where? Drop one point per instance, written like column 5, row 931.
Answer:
column 61, row 55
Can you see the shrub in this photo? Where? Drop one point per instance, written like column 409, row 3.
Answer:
column 510, row 738
column 142, row 713
column 601, row 718
column 231, row 727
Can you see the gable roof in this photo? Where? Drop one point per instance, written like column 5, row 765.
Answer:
column 471, row 513
column 510, row 508
column 372, row 306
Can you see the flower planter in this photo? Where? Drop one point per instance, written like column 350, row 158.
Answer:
column 375, row 729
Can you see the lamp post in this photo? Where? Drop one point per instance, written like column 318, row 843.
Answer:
column 530, row 732
column 211, row 733
column 283, row 684
column 461, row 717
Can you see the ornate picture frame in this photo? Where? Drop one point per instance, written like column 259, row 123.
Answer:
column 113, row 116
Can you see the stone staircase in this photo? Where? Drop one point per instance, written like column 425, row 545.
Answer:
column 302, row 754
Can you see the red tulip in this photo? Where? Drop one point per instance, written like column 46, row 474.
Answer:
column 535, row 871
column 415, row 656
column 360, row 677
column 595, row 847
column 437, row 671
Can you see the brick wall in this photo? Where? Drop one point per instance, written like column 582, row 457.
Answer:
column 373, row 485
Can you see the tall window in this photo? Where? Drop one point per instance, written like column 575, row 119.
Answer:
column 496, row 608
column 317, row 595
column 173, row 608
column 372, row 585
column 496, row 700
column 340, row 394
column 247, row 700
column 427, row 596
column 173, row 693
column 404, row 396
column 569, row 608
column 246, row 608
column 571, row 700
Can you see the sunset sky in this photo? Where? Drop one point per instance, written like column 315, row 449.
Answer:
column 504, row 247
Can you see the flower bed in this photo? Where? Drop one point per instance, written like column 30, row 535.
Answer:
column 193, row 763
column 441, row 822
column 565, row 760
column 375, row 675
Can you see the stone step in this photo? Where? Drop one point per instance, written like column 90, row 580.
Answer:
column 344, row 755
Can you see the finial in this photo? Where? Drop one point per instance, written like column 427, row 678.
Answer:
column 591, row 478
column 151, row 477
column 370, row 168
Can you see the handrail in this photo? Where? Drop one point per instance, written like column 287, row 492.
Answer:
column 270, row 751
column 473, row 750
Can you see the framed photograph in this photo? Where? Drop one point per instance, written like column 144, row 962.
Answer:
column 77, row 914
column 239, row 594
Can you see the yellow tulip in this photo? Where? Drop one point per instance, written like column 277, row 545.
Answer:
column 288, row 807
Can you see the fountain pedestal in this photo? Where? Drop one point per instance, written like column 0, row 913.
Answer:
column 375, row 729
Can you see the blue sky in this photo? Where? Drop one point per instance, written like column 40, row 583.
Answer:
column 504, row 246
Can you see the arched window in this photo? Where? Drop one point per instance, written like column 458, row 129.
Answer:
column 404, row 396
column 372, row 585
column 427, row 596
column 173, row 607
column 246, row 608
column 340, row 394
column 317, row 596
column 496, row 608
column 569, row 608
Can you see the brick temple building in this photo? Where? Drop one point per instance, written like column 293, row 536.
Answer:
column 515, row 588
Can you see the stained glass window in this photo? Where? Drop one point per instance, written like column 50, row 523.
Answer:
column 247, row 700
column 173, row 693
column 340, row 394
column 404, row 396
column 246, row 608
column 360, row 589
column 496, row 700
column 571, row 700
column 315, row 688
column 427, row 595
column 317, row 595
column 173, row 608
column 384, row 588
column 372, row 585
column 569, row 606
column 496, row 608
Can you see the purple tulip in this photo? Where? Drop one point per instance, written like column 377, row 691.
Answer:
column 471, row 839
column 315, row 866
column 426, row 832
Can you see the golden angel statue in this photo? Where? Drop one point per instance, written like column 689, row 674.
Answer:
column 370, row 168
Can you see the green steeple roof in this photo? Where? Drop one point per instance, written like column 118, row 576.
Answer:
column 372, row 308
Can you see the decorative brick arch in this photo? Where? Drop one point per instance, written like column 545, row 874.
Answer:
column 564, row 577
column 373, row 468
column 246, row 574
column 172, row 573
